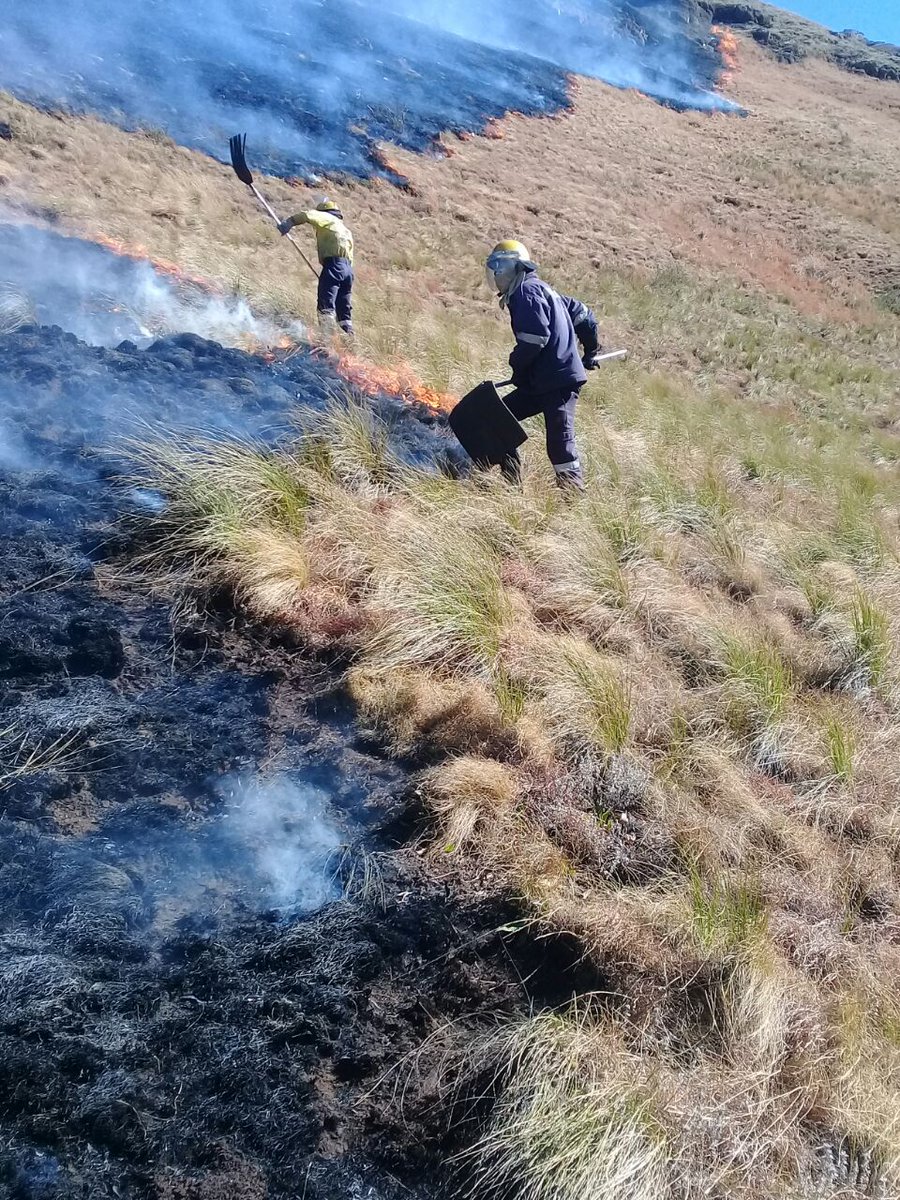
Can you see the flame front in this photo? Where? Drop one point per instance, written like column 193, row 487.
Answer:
column 397, row 381
column 371, row 379
column 728, row 48
column 140, row 253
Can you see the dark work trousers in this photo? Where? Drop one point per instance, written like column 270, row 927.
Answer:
column 335, row 285
column 559, row 417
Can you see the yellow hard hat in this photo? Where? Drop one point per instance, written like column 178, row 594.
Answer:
column 512, row 248
column 326, row 205
column 505, row 264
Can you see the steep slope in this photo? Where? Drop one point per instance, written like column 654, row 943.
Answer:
column 792, row 38
column 655, row 731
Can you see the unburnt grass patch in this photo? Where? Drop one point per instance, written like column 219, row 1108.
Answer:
column 648, row 816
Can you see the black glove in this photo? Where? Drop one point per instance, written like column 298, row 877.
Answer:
column 286, row 226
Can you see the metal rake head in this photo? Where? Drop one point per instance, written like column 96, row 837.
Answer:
column 238, row 145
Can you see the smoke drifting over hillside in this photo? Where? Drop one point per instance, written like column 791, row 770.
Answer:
column 104, row 298
column 317, row 84
column 649, row 45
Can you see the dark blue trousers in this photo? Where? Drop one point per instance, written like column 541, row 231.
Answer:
column 558, row 409
column 335, row 286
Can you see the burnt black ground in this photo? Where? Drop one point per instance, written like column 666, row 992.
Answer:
column 315, row 84
column 169, row 1030
column 318, row 83
column 172, row 1024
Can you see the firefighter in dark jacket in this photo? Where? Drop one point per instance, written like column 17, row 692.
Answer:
column 548, row 368
column 334, row 243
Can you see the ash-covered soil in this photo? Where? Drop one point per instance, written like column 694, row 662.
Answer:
column 317, row 85
column 193, row 1002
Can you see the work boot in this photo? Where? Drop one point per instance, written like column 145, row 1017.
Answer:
column 327, row 323
column 347, row 327
column 571, row 481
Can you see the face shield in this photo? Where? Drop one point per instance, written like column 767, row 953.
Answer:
column 500, row 271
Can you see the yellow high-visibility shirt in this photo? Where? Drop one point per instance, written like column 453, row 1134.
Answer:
column 333, row 238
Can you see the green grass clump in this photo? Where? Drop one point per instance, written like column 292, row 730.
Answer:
column 591, row 698
column 353, row 444
column 726, row 914
column 567, row 1125
column 858, row 532
column 511, row 693
column 442, row 603
column 840, row 745
column 759, row 684
column 871, row 646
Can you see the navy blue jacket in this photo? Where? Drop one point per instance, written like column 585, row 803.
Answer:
column 546, row 356
column 585, row 325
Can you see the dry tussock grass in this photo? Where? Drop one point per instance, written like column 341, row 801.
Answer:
column 655, row 765
column 665, row 717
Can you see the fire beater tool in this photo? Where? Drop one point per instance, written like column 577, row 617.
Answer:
column 238, row 146
column 484, row 426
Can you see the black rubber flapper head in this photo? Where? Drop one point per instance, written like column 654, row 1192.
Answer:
column 238, row 146
column 486, row 429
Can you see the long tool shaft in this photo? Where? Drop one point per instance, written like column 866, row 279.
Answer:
column 608, row 357
column 274, row 215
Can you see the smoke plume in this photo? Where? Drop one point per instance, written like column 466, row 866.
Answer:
column 282, row 829
column 315, row 84
column 104, row 298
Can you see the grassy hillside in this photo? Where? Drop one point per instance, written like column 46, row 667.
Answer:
column 665, row 718
column 792, row 38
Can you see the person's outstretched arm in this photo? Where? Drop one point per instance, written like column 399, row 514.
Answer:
column 586, row 330
column 319, row 220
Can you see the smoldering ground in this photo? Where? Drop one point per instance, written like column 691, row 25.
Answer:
column 179, row 977
column 317, row 84
column 105, row 298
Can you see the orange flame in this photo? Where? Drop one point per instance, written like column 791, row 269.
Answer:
column 140, row 253
column 380, row 155
column 279, row 350
column 371, row 380
column 494, row 130
column 397, row 381
column 728, row 48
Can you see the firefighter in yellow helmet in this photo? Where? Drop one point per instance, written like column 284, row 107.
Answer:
column 548, row 368
column 334, row 243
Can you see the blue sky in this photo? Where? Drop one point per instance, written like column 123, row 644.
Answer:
column 877, row 19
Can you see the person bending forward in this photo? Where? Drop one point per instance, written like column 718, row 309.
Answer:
column 334, row 244
column 548, row 370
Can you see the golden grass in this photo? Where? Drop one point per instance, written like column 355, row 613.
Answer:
column 507, row 641
column 665, row 717
column 575, row 1120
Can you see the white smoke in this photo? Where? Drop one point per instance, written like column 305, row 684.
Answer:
column 158, row 308
column 104, row 298
column 13, row 456
column 285, row 830
column 300, row 75
column 589, row 37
